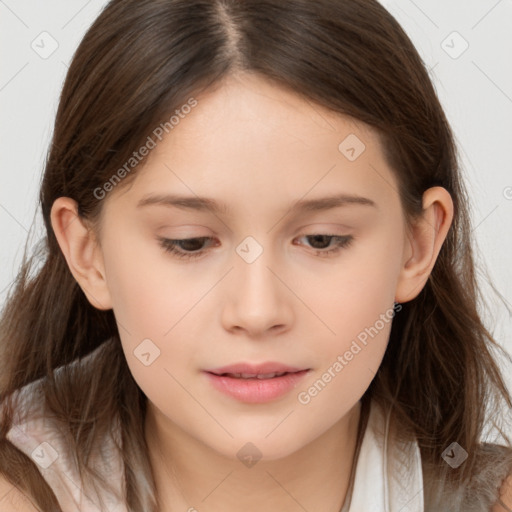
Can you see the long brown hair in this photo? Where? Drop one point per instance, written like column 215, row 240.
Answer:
column 138, row 63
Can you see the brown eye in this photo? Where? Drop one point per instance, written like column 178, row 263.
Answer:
column 185, row 247
column 324, row 240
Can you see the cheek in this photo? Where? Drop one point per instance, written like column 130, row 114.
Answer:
column 357, row 306
column 153, row 302
column 360, row 289
column 351, row 357
column 149, row 294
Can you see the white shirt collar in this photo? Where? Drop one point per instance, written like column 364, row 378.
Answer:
column 388, row 475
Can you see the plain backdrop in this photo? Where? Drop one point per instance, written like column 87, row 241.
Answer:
column 466, row 44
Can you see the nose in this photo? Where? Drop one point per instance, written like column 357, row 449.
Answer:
column 258, row 300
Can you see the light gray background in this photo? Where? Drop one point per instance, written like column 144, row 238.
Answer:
column 475, row 89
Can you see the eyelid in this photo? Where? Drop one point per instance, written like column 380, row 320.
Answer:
column 170, row 245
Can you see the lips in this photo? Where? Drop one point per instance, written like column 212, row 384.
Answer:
column 267, row 370
column 256, row 383
column 254, row 375
column 258, row 389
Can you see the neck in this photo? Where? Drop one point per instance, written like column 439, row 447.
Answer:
column 189, row 475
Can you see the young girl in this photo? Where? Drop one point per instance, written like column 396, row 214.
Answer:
column 258, row 288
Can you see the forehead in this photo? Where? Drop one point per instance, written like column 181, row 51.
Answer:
column 251, row 109
column 248, row 138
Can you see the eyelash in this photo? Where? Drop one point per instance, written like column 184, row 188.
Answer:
column 170, row 245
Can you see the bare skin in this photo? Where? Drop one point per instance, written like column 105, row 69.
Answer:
column 259, row 149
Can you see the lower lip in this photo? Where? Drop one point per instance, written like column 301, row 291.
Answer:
column 256, row 391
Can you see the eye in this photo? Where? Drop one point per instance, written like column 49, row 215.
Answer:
column 187, row 248
column 192, row 247
column 341, row 242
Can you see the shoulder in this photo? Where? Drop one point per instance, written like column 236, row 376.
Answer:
column 505, row 496
column 495, row 473
column 13, row 499
column 490, row 481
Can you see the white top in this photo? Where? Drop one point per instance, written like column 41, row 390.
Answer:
column 43, row 439
column 388, row 475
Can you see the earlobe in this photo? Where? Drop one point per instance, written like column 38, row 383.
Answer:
column 81, row 251
column 423, row 243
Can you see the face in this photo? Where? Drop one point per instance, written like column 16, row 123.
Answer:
column 263, row 279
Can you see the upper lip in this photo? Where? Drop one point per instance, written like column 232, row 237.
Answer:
column 256, row 369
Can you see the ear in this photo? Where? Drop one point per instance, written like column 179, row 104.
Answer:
column 423, row 243
column 81, row 251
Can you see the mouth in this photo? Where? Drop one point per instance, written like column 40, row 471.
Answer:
column 260, row 376
column 266, row 370
column 256, row 387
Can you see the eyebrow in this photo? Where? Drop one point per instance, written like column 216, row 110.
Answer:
column 208, row 204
